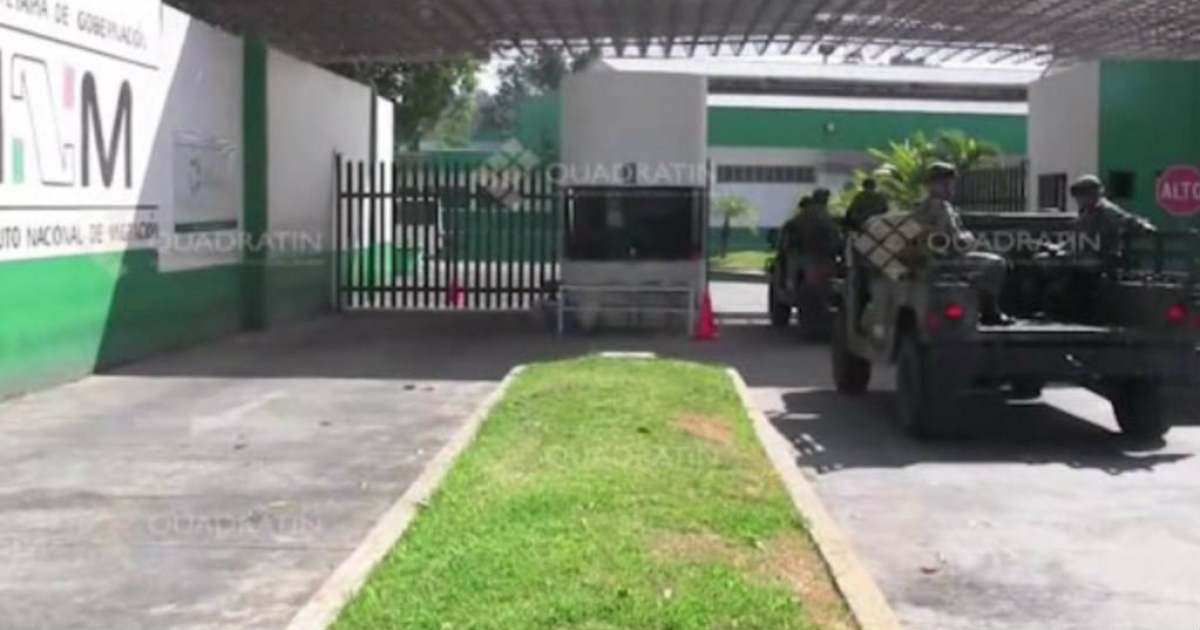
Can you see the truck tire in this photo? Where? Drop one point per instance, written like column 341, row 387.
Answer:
column 924, row 407
column 1140, row 408
column 1027, row 389
column 781, row 313
column 851, row 373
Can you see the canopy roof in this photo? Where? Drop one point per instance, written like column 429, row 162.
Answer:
column 943, row 30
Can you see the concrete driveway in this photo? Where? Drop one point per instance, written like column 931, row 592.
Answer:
column 217, row 488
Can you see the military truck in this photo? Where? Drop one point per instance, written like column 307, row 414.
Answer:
column 808, row 297
column 1125, row 332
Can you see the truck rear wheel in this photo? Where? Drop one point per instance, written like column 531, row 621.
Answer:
column 781, row 313
column 851, row 373
column 924, row 409
column 1140, row 409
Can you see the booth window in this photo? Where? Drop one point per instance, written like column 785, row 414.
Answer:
column 615, row 224
column 1052, row 191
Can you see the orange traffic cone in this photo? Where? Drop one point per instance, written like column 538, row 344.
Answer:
column 706, row 328
column 455, row 295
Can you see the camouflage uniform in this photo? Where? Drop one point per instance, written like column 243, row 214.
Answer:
column 866, row 205
column 1110, row 224
column 945, row 238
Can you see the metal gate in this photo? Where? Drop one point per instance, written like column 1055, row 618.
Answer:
column 428, row 235
column 1001, row 189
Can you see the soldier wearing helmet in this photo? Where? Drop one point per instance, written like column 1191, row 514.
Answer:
column 1104, row 220
column 811, row 237
column 945, row 238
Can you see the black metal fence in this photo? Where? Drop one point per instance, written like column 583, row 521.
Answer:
column 993, row 189
column 430, row 235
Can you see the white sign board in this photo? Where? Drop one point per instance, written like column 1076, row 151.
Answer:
column 75, row 80
column 204, row 183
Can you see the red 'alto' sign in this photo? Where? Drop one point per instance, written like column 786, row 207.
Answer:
column 1178, row 190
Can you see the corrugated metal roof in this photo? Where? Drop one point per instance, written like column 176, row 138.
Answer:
column 945, row 31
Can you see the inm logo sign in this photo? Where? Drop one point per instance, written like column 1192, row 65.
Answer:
column 69, row 137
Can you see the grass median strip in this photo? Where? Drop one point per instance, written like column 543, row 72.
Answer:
column 606, row 493
column 742, row 262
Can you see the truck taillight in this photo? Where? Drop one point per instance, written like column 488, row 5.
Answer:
column 1177, row 315
column 955, row 313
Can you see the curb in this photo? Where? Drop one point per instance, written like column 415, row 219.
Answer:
column 322, row 608
column 867, row 602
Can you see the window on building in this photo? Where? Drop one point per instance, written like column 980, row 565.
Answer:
column 1052, row 191
column 763, row 174
column 634, row 224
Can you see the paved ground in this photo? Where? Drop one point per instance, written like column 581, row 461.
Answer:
column 1041, row 518
column 217, row 488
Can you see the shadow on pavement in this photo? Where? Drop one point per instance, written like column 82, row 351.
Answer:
column 472, row 346
column 834, row 433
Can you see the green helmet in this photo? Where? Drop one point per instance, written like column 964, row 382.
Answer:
column 1086, row 184
column 940, row 171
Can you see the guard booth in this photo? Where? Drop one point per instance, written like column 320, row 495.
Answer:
column 635, row 184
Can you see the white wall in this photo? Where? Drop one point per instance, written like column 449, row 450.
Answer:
column 1064, row 125
column 657, row 120
column 313, row 115
column 385, row 129
column 776, row 202
column 201, row 123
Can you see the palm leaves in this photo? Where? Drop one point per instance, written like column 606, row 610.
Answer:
column 902, row 165
column 735, row 209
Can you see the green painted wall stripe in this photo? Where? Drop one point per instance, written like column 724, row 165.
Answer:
column 63, row 318
column 1149, row 120
column 852, row 130
column 255, row 171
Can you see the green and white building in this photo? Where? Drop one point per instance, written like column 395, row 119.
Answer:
column 1126, row 121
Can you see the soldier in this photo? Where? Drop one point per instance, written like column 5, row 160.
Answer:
column 866, row 205
column 1102, row 228
column 820, row 239
column 1106, row 223
column 811, row 237
column 945, row 238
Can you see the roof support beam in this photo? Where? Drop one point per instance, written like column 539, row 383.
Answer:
column 617, row 35
column 701, row 19
column 834, row 16
column 912, row 9
column 752, row 26
column 804, row 25
column 593, row 46
column 725, row 25
column 672, row 28
column 788, row 13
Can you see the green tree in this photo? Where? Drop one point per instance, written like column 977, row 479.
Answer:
column 963, row 151
column 735, row 210
column 540, row 72
column 423, row 92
